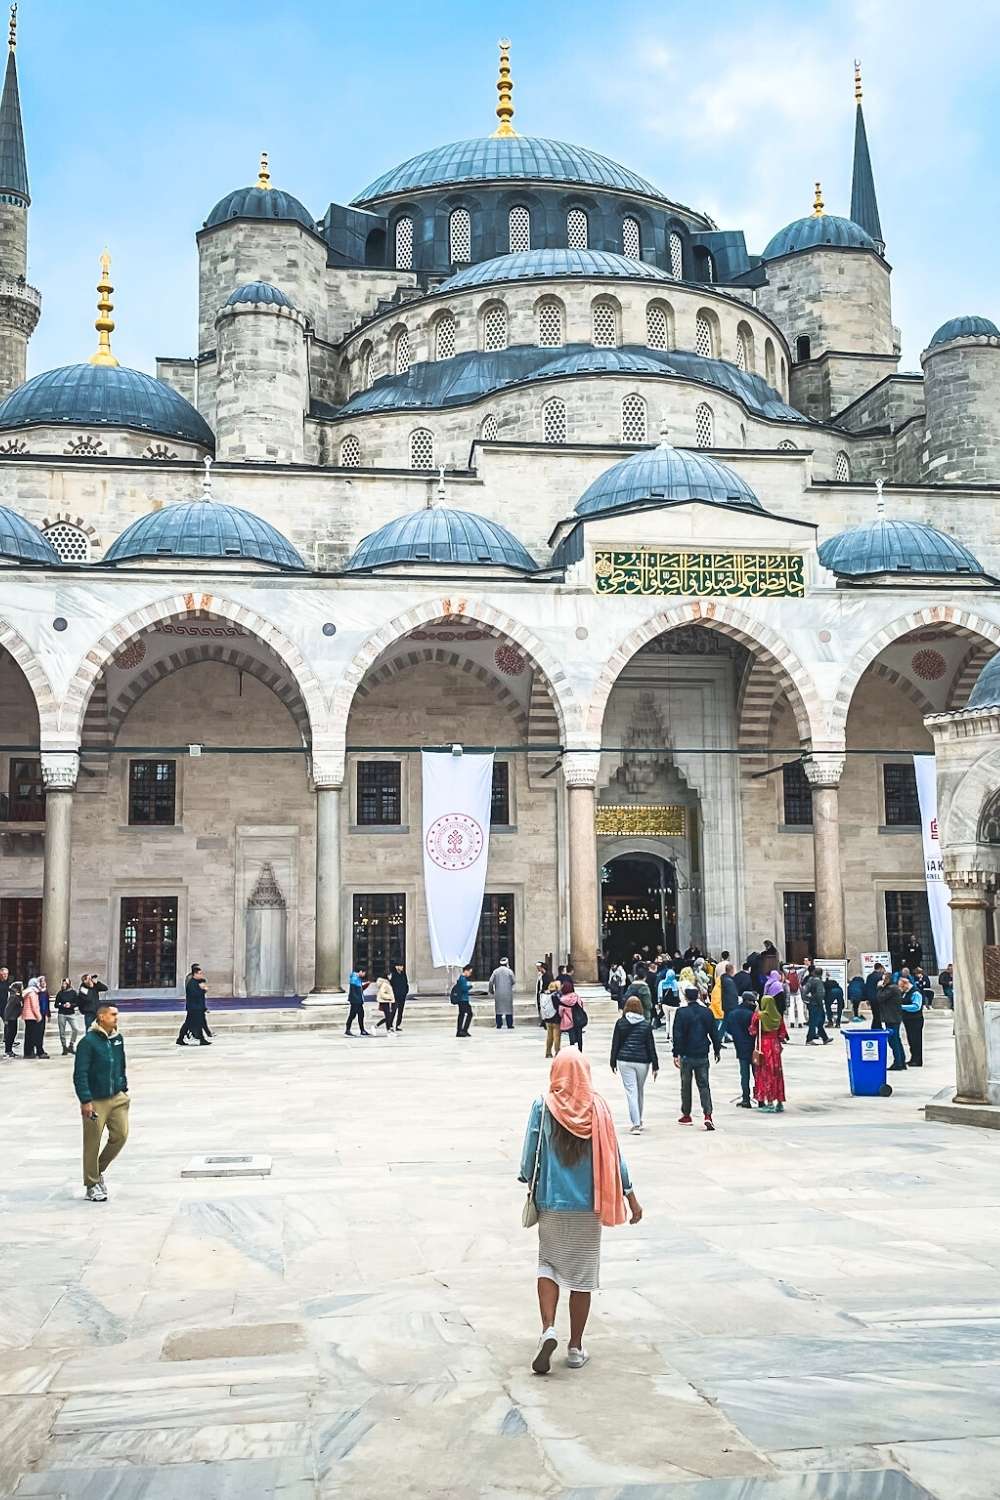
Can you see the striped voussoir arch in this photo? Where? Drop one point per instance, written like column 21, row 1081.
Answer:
column 417, row 655
column 969, row 668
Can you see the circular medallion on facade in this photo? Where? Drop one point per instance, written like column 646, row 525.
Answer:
column 455, row 841
column 130, row 655
column 930, row 665
column 509, row 660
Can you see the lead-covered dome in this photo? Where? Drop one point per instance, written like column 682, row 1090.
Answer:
column 21, row 542
column 666, row 476
column 207, row 530
column 892, row 546
column 259, row 291
column 986, row 693
column 89, row 395
column 818, row 230
column 262, row 201
column 529, row 265
column 441, row 535
column 965, row 328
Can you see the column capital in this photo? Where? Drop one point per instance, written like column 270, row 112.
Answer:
column 581, row 768
column 60, row 768
column 327, row 769
column 970, row 889
column 824, row 770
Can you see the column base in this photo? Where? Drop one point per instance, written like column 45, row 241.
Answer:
column 325, row 997
column 965, row 1112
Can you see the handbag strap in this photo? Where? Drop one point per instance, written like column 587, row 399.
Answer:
column 538, row 1153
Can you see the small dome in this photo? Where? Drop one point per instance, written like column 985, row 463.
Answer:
column 104, row 396
column 888, row 546
column 528, row 265
column 202, row 528
column 818, row 229
column 965, row 328
column 986, row 693
column 665, row 476
column 515, row 158
column 260, row 203
column 20, row 542
column 441, row 535
column 259, row 291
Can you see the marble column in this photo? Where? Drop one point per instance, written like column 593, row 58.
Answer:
column 969, row 904
column 59, row 773
column 328, row 779
column 580, row 772
column 824, row 773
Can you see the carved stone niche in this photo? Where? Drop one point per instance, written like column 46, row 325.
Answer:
column 266, row 935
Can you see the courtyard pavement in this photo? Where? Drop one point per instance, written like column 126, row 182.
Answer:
column 810, row 1309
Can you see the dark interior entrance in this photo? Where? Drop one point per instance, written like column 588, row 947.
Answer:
column 638, row 906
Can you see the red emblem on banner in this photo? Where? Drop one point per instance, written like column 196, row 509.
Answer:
column 455, row 841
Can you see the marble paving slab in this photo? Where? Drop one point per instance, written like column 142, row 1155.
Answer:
column 877, row 1484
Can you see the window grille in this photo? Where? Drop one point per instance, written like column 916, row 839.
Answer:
column 550, row 325
column 704, row 425
column 769, row 361
column 21, row 933
column 147, row 942
column 350, row 452
column 460, row 235
column 519, row 229
column 633, row 419
column 800, row 924
column 707, row 267
column 401, row 353
column 72, row 544
column 444, row 337
column 797, row 795
column 907, row 914
column 495, row 937
column 785, row 446
column 368, row 369
column 495, row 328
column 631, row 238
column 577, row 236
column 677, row 256
column 704, row 344
column 605, row 325
column 379, row 793
column 902, row 805
column 25, row 791
column 421, row 449
column 152, row 791
column 742, row 355
column 490, row 430
column 554, row 420
column 404, row 244
column 657, row 327
column 784, row 375
column 842, row 472
column 803, row 348
column 379, row 931
column 500, row 793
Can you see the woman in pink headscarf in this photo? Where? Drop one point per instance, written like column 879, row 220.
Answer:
column 579, row 1182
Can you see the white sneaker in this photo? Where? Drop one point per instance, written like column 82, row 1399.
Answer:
column 547, row 1345
column 636, row 1130
column 576, row 1358
column 96, row 1194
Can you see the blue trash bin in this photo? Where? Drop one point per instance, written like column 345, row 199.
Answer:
column 867, row 1060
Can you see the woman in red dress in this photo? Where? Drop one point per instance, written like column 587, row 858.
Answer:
column 768, row 1029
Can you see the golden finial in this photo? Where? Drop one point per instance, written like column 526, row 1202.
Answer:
column 264, row 173
column 857, row 80
column 12, row 33
column 104, row 323
column 818, row 202
column 505, row 88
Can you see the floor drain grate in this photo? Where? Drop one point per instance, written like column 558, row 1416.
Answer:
column 228, row 1166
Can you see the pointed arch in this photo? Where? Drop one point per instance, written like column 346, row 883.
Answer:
column 414, row 656
column 15, row 645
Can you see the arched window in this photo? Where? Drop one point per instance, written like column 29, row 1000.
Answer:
column 842, row 473
column 704, row 342
column 369, row 367
column 633, row 419
column 518, row 229
column 577, row 237
column 631, row 238
column 460, row 235
column 554, row 421
column 769, row 361
column 704, row 425
column 743, row 436
column 444, row 336
column 401, row 352
column 404, row 244
column 787, row 446
column 495, row 327
column 784, row 376
column 677, row 256
column 744, row 348
column 707, row 265
column 549, row 317
column 490, row 429
column 604, row 322
column 421, row 448
column 659, row 326
column 803, row 348
column 71, row 542
column 350, row 452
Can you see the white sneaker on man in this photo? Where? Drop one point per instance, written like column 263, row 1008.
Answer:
column 547, row 1345
column 576, row 1358
column 96, row 1194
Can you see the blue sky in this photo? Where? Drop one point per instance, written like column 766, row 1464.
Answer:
column 140, row 115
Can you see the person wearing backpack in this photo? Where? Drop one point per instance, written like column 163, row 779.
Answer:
column 356, row 1000
column 461, row 992
column 568, row 1000
column 548, row 1004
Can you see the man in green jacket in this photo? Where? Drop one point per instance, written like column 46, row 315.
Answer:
column 102, row 1089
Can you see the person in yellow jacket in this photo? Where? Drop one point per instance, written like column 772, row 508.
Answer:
column 715, row 1000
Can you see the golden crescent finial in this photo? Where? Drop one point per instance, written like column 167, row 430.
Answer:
column 104, row 323
column 818, row 202
column 505, row 90
column 12, row 33
column 264, row 172
column 857, row 79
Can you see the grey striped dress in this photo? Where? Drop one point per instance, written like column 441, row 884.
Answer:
column 569, row 1249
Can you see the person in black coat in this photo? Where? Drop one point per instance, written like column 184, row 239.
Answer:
column 196, row 1009
column 400, row 985
column 891, row 1010
column 873, row 983
column 633, row 1053
column 739, row 1029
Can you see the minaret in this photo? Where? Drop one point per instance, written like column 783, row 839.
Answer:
column 864, row 205
column 20, row 304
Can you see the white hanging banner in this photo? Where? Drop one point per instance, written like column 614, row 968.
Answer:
column 457, row 799
column 925, row 767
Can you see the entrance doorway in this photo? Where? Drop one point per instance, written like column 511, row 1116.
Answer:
column 638, row 906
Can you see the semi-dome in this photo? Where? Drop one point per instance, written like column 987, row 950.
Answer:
column 513, row 158
column 20, row 542
column 204, row 529
column 891, row 546
column 89, row 395
column 528, row 265
column 666, row 476
column 818, row 229
column 262, row 201
column 587, row 361
column 986, row 693
column 965, row 328
column 259, row 291
column 441, row 535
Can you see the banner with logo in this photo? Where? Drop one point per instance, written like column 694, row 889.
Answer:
column 457, row 798
column 925, row 767
column 869, row 960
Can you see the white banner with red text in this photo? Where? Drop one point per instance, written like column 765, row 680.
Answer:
column 925, row 767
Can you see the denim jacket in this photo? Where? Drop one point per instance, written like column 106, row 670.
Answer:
column 566, row 1189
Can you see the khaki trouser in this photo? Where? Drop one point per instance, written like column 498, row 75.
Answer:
column 113, row 1114
column 553, row 1038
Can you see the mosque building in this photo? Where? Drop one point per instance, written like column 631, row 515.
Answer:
column 513, row 450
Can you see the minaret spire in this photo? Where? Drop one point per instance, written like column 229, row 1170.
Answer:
column 864, row 204
column 505, row 90
column 104, row 323
column 13, row 163
column 20, row 304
